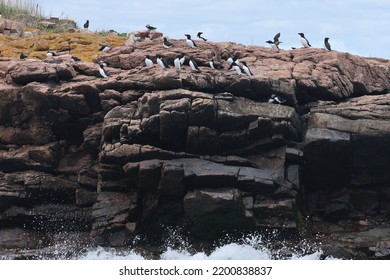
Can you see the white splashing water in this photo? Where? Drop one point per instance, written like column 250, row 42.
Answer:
column 249, row 248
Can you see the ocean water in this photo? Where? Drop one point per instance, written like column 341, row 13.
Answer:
column 248, row 247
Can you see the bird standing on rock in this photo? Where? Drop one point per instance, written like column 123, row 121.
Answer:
column 102, row 71
column 276, row 99
column 86, row 24
column 150, row 28
column 190, row 43
column 167, row 44
column 194, row 65
column 304, row 41
column 162, row 62
column 326, row 44
column 246, row 69
column 148, row 61
column 22, row 56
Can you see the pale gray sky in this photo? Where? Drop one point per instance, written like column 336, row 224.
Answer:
column 356, row 26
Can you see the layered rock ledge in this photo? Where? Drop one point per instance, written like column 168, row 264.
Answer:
column 146, row 147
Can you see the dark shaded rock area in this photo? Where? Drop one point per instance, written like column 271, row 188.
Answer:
column 147, row 148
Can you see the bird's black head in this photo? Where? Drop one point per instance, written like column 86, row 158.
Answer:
column 301, row 34
column 326, row 39
column 188, row 36
column 269, row 42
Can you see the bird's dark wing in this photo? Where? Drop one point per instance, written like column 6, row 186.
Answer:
column 276, row 38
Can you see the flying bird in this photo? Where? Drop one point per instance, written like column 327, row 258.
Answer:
column 190, row 43
column 275, row 43
column 304, row 41
column 150, row 28
column 326, row 44
column 200, row 36
column 86, row 24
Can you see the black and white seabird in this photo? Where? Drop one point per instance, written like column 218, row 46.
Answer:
column 215, row 65
column 50, row 53
column 194, row 65
column 148, row 61
column 74, row 59
column 183, row 58
column 150, row 28
column 276, row 99
column 104, row 63
column 246, row 69
column 162, row 62
column 190, row 43
column 200, row 36
column 167, row 44
column 275, row 43
column 177, row 62
column 230, row 60
column 22, row 56
column 86, row 24
column 104, row 48
column 103, row 71
column 236, row 68
column 304, row 41
column 326, row 44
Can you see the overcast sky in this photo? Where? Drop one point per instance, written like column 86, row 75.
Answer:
column 356, row 26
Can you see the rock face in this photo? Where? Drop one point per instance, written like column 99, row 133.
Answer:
column 148, row 147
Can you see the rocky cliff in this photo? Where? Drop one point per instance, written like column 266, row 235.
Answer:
column 147, row 147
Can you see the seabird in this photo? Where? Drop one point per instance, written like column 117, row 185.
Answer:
column 104, row 63
column 74, row 59
column 148, row 61
column 230, row 60
column 22, row 56
column 236, row 68
column 214, row 65
column 162, row 62
column 183, row 58
column 194, row 65
column 246, row 69
column 50, row 53
column 104, row 48
column 150, row 28
column 166, row 43
column 276, row 99
column 304, row 41
column 102, row 71
column 177, row 62
column 86, row 24
column 275, row 43
column 326, row 44
column 190, row 43
column 200, row 36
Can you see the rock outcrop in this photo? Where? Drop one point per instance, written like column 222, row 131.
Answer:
column 205, row 151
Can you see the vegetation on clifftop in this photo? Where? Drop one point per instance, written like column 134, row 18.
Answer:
column 60, row 35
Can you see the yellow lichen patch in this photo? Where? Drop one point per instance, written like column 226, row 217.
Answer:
column 84, row 45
